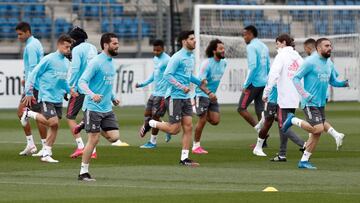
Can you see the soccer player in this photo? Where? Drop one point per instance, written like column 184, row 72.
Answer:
column 82, row 52
column 285, row 65
column 179, row 74
column 318, row 72
column 97, row 84
column 155, row 107
column 259, row 64
column 33, row 52
column 212, row 70
column 309, row 48
column 50, row 75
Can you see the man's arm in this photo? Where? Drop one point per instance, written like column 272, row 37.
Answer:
column 29, row 86
column 252, row 64
column 274, row 75
column 75, row 69
column 146, row 82
column 304, row 69
column 336, row 83
column 170, row 72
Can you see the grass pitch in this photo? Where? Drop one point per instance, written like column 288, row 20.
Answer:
column 229, row 173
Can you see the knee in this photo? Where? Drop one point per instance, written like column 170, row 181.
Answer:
column 113, row 139
column 54, row 124
column 214, row 122
column 318, row 130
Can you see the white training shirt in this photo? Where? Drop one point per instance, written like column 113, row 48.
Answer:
column 286, row 63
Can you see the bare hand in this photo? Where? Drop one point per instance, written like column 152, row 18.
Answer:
column 212, row 97
column 116, row 102
column 265, row 99
column 23, row 83
column 73, row 93
column 97, row 98
column 203, row 84
column 347, row 83
column 28, row 100
column 186, row 90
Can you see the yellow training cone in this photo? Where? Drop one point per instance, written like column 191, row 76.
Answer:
column 270, row 189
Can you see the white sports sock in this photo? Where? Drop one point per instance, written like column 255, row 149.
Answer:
column 43, row 142
column 195, row 145
column 184, row 154
column 32, row 114
column 333, row 132
column 296, row 121
column 30, row 140
column 259, row 143
column 47, row 151
column 153, row 139
column 80, row 143
column 306, row 156
column 94, row 151
column 84, row 168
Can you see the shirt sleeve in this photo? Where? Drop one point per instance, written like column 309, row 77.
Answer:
column 169, row 74
column 148, row 81
column 203, row 71
column 32, row 57
column 75, row 68
column 34, row 75
column 305, row 68
column 333, row 81
column 195, row 80
column 252, row 64
column 85, row 79
column 274, row 75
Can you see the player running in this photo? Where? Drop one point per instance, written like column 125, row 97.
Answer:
column 179, row 74
column 33, row 53
column 212, row 70
column 155, row 107
column 259, row 65
column 317, row 72
column 97, row 84
column 50, row 76
column 82, row 52
column 309, row 48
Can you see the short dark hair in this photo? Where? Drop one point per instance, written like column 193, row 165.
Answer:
column 65, row 38
column 252, row 29
column 23, row 26
column 158, row 42
column 106, row 38
column 289, row 41
column 318, row 42
column 310, row 41
column 184, row 35
column 212, row 47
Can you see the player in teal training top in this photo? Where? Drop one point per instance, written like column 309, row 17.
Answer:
column 179, row 74
column 97, row 84
column 33, row 53
column 317, row 72
column 258, row 69
column 50, row 75
column 155, row 107
column 212, row 70
column 81, row 54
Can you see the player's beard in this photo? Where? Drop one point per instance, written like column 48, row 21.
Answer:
column 113, row 52
column 220, row 55
column 326, row 54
